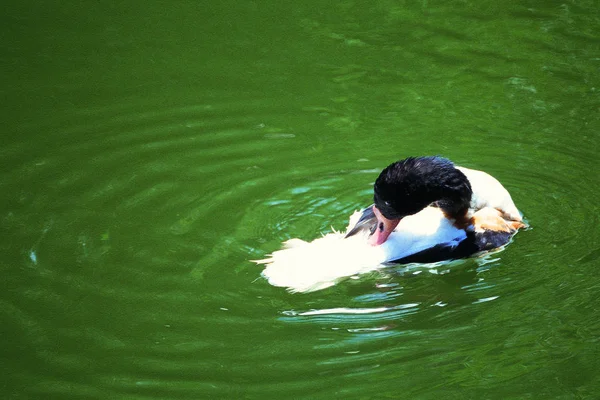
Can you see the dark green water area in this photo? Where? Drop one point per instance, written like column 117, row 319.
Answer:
column 151, row 149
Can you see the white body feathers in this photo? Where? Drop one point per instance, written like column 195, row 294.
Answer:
column 306, row 266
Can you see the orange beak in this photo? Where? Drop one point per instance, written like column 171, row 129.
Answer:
column 383, row 229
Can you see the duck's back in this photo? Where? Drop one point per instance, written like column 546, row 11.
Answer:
column 488, row 192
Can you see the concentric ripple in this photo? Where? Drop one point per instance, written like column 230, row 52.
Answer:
column 151, row 150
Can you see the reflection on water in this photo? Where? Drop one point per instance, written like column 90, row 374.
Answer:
column 152, row 151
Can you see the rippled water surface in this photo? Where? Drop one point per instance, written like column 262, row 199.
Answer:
column 152, row 149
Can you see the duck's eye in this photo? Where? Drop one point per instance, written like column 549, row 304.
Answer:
column 381, row 226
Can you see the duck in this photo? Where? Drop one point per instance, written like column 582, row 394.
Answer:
column 425, row 210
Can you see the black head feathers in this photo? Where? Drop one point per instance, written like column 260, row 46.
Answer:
column 407, row 186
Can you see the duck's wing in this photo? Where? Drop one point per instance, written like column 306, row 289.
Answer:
column 474, row 242
column 441, row 252
column 366, row 222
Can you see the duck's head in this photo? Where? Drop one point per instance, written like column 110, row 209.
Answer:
column 408, row 186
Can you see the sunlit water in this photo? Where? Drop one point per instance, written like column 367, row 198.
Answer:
column 152, row 150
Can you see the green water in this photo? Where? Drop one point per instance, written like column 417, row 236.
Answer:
column 150, row 149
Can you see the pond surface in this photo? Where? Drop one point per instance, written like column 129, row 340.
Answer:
column 151, row 149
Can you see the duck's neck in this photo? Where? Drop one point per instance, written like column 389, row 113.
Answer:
column 454, row 192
